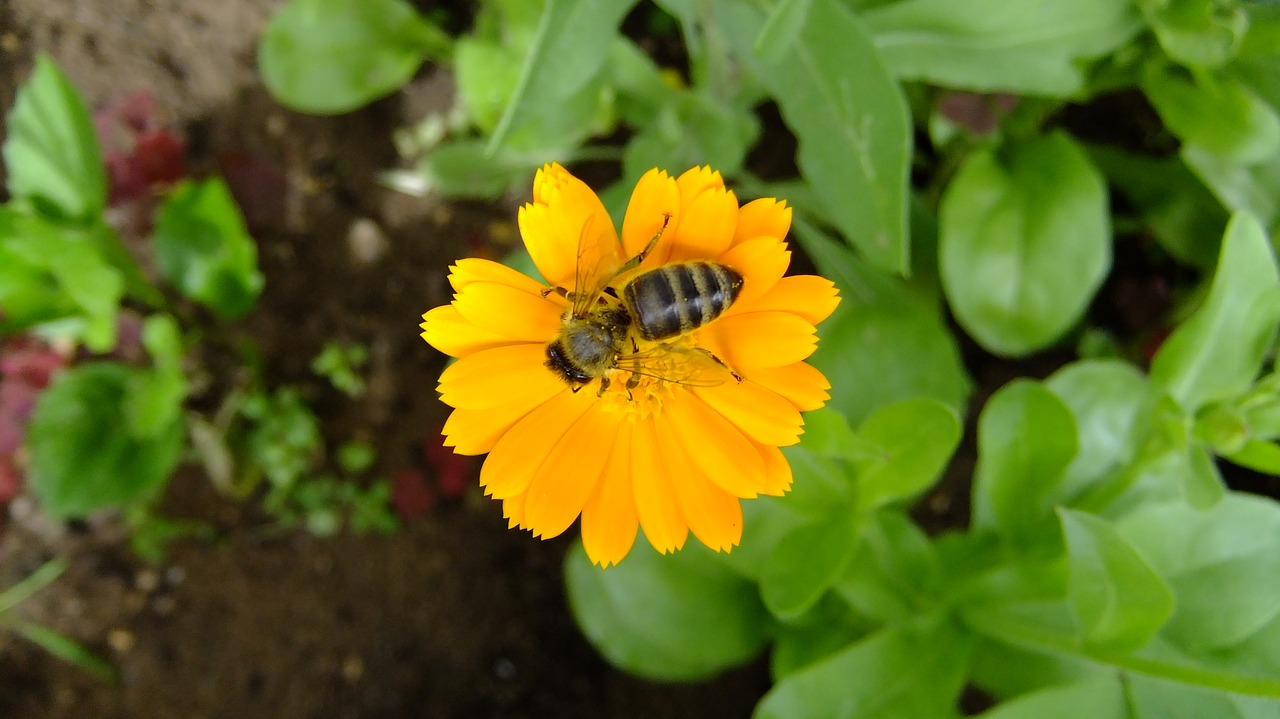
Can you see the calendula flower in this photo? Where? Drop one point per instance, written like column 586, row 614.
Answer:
column 665, row 434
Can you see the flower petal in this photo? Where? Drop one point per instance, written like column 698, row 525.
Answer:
column 714, row 515
column 655, row 197
column 707, row 220
column 554, row 222
column 765, row 217
column 761, row 262
column 517, row 456
column 609, row 519
column 777, row 470
column 513, row 511
column 474, row 269
column 800, row 383
column 508, row 312
column 718, row 449
column 446, row 330
column 570, row 473
column 759, row 339
column 493, row 377
column 812, row 297
column 762, row 415
column 656, row 503
column 475, row 431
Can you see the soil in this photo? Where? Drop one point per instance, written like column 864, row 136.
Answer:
column 454, row 615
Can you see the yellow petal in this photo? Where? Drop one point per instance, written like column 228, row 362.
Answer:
column 761, row 262
column 475, row 431
column 474, row 269
column 697, row 180
column 800, row 383
column 765, row 217
column 513, row 511
column 498, row 376
column 718, row 449
column 811, row 297
column 446, row 330
column 609, row 520
column 656, row 503
column 777, row 470
column 514, row 459
column 714, row 515
column 570, row 473
column 706, row 225
column 554, row 222
column 655, row 197
column 762, row 415
column 508, row 312
column 759, row 339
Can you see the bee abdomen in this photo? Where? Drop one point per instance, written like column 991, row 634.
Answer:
column 675, row 299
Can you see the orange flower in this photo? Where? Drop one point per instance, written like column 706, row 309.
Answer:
column 670, row 452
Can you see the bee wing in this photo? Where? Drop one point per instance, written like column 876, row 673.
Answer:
column 678, row 364
column 599, row 256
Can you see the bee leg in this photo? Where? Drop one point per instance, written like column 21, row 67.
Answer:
column 558, row 290
column 604, row 385
column 632, row 382
column 653, row 242
column 722, row 363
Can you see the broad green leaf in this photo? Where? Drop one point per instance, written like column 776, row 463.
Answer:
column 638, row 82
column 1203, row 485
column 1216, row 114
column 692, row 129
column 464, row 168
column 1119, row 601
column 1025, row 242
column 1105, row 398
column 914, row 440
column 1258, row 455
column 1026, row 440
column 487, row 73
column 1253, row 188
column 895, row 572
column 1218, row 352
column 201, row 246
column 781, row 29
column 51, row 151
column 853, row 128
column 908, row 672
column 1154, row 699
column 886, row 342
column 1206, row 33
column 806, row 562
column 1032, row 47
column 819, row 635
column 567, row 53
column 154, row 400
column 70, row 258
column 1223, row 564
column 332, row 56
column 1004, row 670
column 83, row 456
column 679, row 617
column 1096, row 699
column 1173, row 202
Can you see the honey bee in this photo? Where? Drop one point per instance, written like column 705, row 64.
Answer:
column 601, row 330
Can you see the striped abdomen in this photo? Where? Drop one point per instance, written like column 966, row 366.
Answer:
column 675, row 299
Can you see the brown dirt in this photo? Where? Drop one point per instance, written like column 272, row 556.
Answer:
column 454, row 616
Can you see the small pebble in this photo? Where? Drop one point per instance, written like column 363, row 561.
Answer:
column 121, row 640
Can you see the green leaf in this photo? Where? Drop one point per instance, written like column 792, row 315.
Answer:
column 781, row 29
column 1152, row 699
column 1032, row 47
column 1025, row 242
column 693, row 129
column 51, row 151
column 1258, row 455
column 154, row 399
column 64, row 648
column 907, row 672
column 806, row 562
column 886, row 342
column 1223, row 564
column 332, row 56
column 1105, row 398
column 1096, row 699
column 566, row 56
column 83, row 456
column 1216, row 114
column 69, row 257
column 1119, row 601
column 679, row 617
column 1218, row 352
column 465, row 169
column 202, row 247
column 895, row 572
column 915, row 439
column 1251, row 188
column 1026, row 440
column 487, row 74
column 1197, row 32
column 853, row 128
